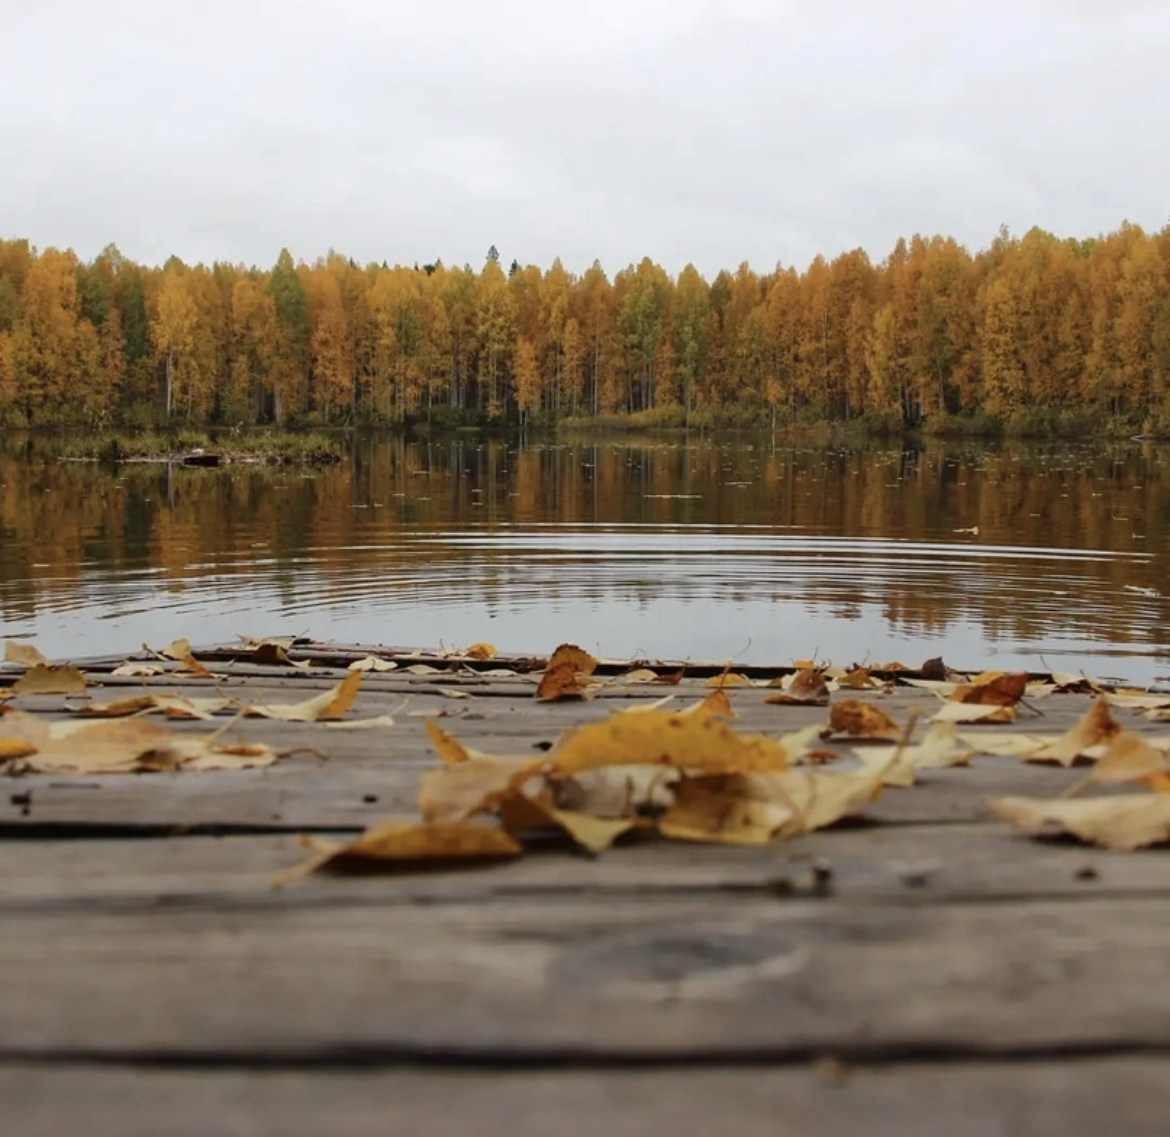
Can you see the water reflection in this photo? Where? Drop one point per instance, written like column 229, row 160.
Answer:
column 704, row 549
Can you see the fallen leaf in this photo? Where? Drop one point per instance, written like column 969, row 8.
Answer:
column 48, row 679
column 563, row 681
column 105, row 747
column 378, row 723
column 684, row 742
column 119, row 708
column 807, row 689
column 616, row 792
column 581, row 660
column 520, row 813
column 178, row 707
column 716, row 703
column 26, row 654
column 273, row 653
column 1130, row 758
column 449, row 749
column 373, row 663
column 452, row 693
column 940, row 748
column 726, row 679
column 993, row 689
column 1119, row 821
column 1007, row 745
column 739, row 809
column 331, row 704
column 404, row 842
column 640, row 675
column 1096, row 726
column 862, row 720
column 859, row 679
column 456, row 791
column 138, row 670
column 178, row 649
column 1138, row 702
column 673, row 678
column 934, row 669
column 1072, row 684
column 481, row 652
column 974, row 712
column 422, row 669
column 15, row 747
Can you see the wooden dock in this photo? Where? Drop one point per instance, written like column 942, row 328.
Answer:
column 923, row 970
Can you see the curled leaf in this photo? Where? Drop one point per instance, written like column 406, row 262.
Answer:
column 563, row 681
column 331, row 704
column 397, row 843
column 862, row 719
column 1095, row 727
column 481, row 652
column 807, row 689
column 373, row 663
column 520, row 813
column 1120, row 821
column 992, row 689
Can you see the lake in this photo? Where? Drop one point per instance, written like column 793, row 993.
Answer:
column 1004, row 555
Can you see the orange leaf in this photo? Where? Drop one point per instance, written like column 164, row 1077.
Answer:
column 808, row 689
column 862, row 720
column 481, row 652
column 581, row 660
column 993, row 690
column 564, row 681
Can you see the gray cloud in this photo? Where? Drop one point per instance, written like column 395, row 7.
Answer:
column 679, row 129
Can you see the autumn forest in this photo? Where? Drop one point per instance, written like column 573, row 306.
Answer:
column 1031, row 332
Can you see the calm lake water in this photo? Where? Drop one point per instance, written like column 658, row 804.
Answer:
column 706, row 549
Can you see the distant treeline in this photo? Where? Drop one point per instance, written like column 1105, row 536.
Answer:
column 1032, row 330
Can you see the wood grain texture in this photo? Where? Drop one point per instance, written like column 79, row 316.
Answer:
column 1043, row 1099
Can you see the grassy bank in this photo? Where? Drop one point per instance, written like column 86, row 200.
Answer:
column 274, row 447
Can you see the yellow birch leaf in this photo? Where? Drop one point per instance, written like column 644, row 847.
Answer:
column 716, row 703
column 393, row 844
column 1095, row 727
column 26, row 654
column 455, row 791
column 481, row 652
column 47, row 679
column 119, row 708
column 1130, row 758
column 690, row 742
column 373, row 663
column 331, row 704
column 138, row 670
column 1119, row 821
column 807, row 688
column 520, row 813
column 974, row 712
column 726, row 679
column 640, row 675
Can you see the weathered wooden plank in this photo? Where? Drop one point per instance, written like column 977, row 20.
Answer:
column 894, row 865
column 365, row 780
column 1070, row 1099
column 700, row 977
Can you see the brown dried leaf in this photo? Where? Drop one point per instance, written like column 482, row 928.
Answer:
column 1095, row 727
column 563, row 681
column 860, row 719
column 48, row 679
column 111, row 746
column 331, row 704
column 274, row 653
column 934, row 669
column 807, row 689
column 1120, row 821
column 679, row 741
column 26, row 654
column 992, row 689
column 859, row 679
column 580, row 659
column 481, row 652
column 396, row 843
column 1138, row 702
column 673, row 678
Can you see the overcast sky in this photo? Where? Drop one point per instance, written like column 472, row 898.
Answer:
column 686, row 130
